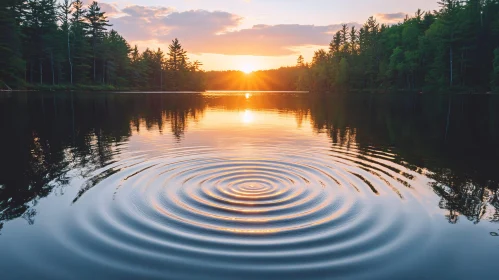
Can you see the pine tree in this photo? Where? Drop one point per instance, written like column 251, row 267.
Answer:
column 65, row 11
column 97, row 24
column 50, row 36
column 300, row 63
column 11, row 62
column 158, row 66
column 40, row 33
column 335, row 45
column 114, row 53
column 177, row 56
column 354, row 40
column 81, row 49
column 136, row 65
column 177, row 63
column 449, row 20
column 345, row 44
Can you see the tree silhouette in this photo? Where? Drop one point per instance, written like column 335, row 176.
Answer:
column 98, row 22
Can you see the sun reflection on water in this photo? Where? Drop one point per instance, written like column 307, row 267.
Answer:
column 247, row 117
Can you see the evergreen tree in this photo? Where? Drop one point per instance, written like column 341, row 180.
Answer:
column 354, row 41
column 345, row 44
column 80, row 47
column 11, row 61
column 300, row 62
column 50, row 37
column 136, row 67
column 65, row 11
column 177, row 63
column 97, row 24
column 116, row 62
column 160, row 66
column 41, row 33
column 177, row 56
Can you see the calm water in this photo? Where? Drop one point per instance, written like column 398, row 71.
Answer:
column 248, row 186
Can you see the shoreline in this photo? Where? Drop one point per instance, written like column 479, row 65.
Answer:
column 250, row 91
column 92, row 89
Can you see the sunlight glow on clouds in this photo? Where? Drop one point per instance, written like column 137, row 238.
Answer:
column 213, row 32
column 390, row 18
column 221, row 39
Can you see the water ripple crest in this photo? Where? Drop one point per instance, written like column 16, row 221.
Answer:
column 203, row 211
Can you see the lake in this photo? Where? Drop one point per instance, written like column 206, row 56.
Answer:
column 248, row 185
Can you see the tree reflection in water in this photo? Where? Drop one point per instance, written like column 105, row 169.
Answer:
column 49, row 139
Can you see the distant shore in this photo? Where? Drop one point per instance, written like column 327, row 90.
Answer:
column 251, row 91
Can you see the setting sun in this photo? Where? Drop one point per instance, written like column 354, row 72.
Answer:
column 247, row 64
column 247, row 69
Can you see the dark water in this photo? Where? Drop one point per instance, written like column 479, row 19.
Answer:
column 248, row 186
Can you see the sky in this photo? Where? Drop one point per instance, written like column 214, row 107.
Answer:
column 247, row 34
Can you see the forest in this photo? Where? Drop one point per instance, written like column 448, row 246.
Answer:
column 455, row 48
column 45, row 44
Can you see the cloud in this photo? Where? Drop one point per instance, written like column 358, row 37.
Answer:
column 201, row 21
column 111, row 10
column 266, row 40
column 146, row 12
column 140, row 23
column 202, row 31
column 391, row 18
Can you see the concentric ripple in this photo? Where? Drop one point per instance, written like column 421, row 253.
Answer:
column 201, row 212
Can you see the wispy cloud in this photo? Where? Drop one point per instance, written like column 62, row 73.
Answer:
column 111, row 10
column 390, row 18
column 267, row 40
column 216, row 32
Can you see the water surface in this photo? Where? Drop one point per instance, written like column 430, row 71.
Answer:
column 248, row 186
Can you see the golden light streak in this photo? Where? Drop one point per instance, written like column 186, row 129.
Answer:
column 248, row 117
column 248, row 69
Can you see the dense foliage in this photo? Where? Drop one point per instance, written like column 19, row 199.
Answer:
column 456, row 47
column 43, row 42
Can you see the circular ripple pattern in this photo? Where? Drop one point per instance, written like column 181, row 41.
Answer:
column 203, row 213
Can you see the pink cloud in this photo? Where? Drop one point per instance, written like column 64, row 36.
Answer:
column 203, row 31
column 391, row 18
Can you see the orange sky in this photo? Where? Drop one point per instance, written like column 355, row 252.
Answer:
column 247, row 34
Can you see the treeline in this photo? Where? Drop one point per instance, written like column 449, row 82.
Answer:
column 63, row 44
column 454, row 48
column 47, row 43
column 281, row 79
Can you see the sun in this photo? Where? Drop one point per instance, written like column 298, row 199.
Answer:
column 247, row 68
